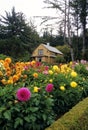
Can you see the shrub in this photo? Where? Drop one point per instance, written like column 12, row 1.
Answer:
column 75, row 119
column 60, row 59
column 34, row 114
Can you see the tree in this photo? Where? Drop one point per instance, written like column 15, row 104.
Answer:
column 81, row 10
column 16, row 34
column 64, row 8
column 65, row 49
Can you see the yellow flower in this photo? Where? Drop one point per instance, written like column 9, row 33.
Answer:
column 73, row 84
column 70, row 62
column 36, row 89
column 62, row 88
column 35, row 75
column 73, row 74
column 50, row 72
column 51, row 80
column 56, row 68
column 10, row 81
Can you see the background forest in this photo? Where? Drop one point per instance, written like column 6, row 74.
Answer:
column 18, row 37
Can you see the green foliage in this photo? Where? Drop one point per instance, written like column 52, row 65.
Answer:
column 22, row 57
column 2, row 56
column 35, row 114
column 83, row 82
column 16, row 36
column 75, row 119
column 60, row 59
column 65, row 49
column 65, row 99
column 81, row 69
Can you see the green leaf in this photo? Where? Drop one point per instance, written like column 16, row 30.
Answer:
column 34, row 109
column 18, row 122
column 2, row 109
column 27, row 119
column 7, row 115
column 44, row 117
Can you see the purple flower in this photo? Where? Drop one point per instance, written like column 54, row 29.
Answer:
column 23, row 94
column 49, row 87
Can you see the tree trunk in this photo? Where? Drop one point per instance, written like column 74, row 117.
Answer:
column 83, row 50
column 65, row 22
column 69, row 33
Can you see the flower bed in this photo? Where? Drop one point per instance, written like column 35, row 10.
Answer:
column 33, row 95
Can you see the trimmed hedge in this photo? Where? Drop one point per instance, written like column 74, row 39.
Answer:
column 75, row 119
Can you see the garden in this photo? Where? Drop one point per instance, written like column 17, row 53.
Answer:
column 33, row 94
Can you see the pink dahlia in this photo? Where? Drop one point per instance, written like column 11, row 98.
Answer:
column 23, row 94
column 49, row 87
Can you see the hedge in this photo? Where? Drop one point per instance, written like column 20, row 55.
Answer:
column 75, row 119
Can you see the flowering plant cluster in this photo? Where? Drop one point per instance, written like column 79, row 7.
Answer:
column 33, row 95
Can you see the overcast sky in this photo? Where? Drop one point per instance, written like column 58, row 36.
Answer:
column 28, row 7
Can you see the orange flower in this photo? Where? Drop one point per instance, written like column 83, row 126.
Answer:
column 6, row 65
column 8, row 60
column 1, row 74
column 33, row 63
column 15, row 78
column 4, row 81
column 18, row 74
column 35, row 75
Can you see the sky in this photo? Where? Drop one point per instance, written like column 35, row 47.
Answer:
column 29, row 8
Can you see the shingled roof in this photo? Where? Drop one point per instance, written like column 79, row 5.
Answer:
column 52, row 49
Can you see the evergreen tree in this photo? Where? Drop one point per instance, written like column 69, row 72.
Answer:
column 16, row 36
column 81, row 12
